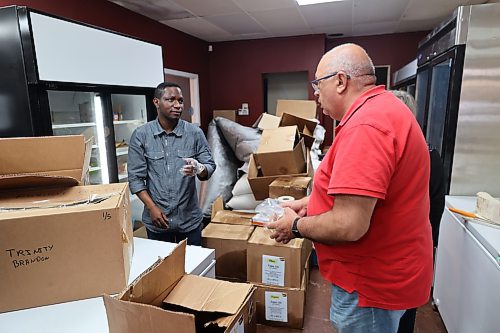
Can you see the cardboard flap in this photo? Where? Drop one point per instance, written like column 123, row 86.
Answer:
column 291, row 182
column 231, row 217
column 262, row 236
column 300, row 108
column 217, row 205
column 268, row 121
column 59, row 156
column 25, row 181
column 227, row 231
column 278, row 139
column 126, row 317
column 210, row 295
column 153, row 285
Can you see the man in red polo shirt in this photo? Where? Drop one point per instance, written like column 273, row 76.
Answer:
column 368, row 213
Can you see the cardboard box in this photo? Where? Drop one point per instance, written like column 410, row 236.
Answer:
column 281, row 152
column 268, row 121
column 228, row 114
column 60, row 242
column 230, row 244
column 279, row 306
column 260, row 184
column 220, row 215
column 306, row 127
column 192, row 303
column 300, row 113
column 296, row 187
column 305, row 109
column 43, row 161
column 273, row 263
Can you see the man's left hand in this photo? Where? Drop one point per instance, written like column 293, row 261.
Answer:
column 282, row 228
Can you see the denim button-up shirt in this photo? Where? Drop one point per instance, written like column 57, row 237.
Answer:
column 155, row 158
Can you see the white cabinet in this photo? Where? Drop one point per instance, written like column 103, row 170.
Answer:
column 467, row 273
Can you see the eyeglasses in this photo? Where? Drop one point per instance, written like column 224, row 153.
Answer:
column 315, row 83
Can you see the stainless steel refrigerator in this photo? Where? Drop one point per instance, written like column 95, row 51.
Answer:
column 61, row 77
column 458, row 99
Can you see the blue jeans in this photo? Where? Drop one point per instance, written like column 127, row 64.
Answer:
column 193, row 237
column 348, row 317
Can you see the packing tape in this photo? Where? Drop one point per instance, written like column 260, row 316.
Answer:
column 285, row 198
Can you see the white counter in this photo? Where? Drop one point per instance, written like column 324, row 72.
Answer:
column 89, row 315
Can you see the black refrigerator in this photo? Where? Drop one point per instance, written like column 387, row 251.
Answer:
column 458, row 104
column 61, row 77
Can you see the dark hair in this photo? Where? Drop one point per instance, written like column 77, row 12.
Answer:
column 160, row 90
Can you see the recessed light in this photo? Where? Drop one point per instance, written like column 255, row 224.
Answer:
column 313, row 2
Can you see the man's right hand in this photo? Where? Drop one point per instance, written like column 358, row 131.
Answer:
column 298, row 206
column 158, row 217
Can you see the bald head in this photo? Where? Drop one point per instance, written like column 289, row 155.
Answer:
column 353, row 60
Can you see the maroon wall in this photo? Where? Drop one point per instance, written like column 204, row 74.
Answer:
column 232, row 73
column 180, row 51
column 236, row 69
column 395, row 50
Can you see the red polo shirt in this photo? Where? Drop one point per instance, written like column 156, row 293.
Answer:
column 379, row 151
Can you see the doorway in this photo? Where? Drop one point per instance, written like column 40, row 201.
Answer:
column 289, row 85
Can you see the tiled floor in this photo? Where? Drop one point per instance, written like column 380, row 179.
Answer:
column 318, row 303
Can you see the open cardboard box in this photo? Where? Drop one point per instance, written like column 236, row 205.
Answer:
column 227, row 234
column 60, row 242
column 260, row 183
column 281, row 152
column 298, row 113
column 221, row 215
column 164, row 298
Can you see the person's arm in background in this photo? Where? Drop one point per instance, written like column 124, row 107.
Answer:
column 137, row 174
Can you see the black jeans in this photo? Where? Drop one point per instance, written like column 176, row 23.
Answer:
column 193, row 237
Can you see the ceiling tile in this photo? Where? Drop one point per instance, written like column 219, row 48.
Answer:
column 156, row 9
column 209, row 7
column 366, row 11
column 328, row 13
column 286, row 20
column 264, row 5
column 236, row 23
column 374, row 28
column 198, row 27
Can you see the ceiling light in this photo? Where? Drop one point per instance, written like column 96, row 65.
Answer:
column 313, row 2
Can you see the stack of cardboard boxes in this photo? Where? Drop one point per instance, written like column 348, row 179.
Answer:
column 246, row 253
column 61, row 240
column 284, row 146
column 281, row 166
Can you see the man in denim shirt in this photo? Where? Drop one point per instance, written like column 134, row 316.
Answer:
column 164, row 156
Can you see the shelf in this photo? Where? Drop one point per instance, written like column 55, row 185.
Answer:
column 73, row 125
column 125, row 122
column 122, row 176
column 121, row 151
column 94, row 169
column 95, row 146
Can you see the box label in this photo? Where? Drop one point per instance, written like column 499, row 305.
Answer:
column 273, row 270
column 29, row 256
column 276, row 306
column 240, row 326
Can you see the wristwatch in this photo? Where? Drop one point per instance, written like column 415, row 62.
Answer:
column 295, row 230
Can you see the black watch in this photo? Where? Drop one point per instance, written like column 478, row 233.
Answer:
column 295, row 230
